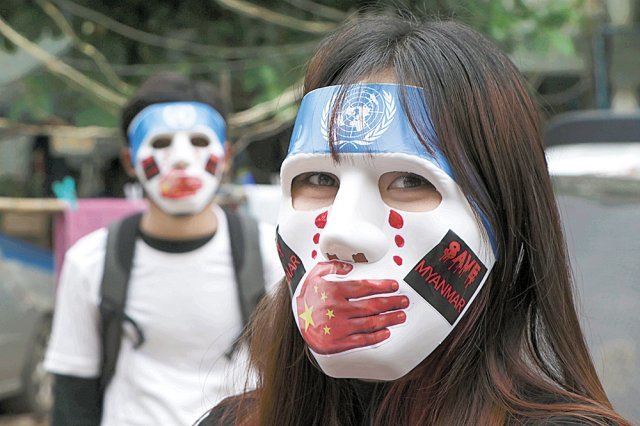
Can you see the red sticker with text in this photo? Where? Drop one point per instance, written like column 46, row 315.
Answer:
column 291, row 263
column 212, row 165
column 448, row 276
column 150, row 168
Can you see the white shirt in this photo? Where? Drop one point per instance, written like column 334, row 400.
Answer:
column 186, row 304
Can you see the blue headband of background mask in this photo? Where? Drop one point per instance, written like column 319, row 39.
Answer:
column 153, row 119
column 370, row 119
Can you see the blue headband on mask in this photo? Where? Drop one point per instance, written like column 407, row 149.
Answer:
column 370, row 119
column 171, row 117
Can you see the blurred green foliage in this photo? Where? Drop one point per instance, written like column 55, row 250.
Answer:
column 254, row 61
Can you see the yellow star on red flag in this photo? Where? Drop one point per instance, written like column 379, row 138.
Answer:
column 307, row 316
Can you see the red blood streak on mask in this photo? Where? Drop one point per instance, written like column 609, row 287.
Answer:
column 321, row 220
column 177, row 184
column 398, row 260
column 399, row 241
column 314, row 254
column 316, row 238
column 395, row 220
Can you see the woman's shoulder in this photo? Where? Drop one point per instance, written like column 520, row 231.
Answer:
column 567, row 410
column 568, row 420
column 216, row 416
column 227, row 411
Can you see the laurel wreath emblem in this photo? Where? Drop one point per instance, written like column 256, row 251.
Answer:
column 373, row 134
column 177, row 116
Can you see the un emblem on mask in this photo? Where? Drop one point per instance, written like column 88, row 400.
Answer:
column 363, row 116
column 179, row 116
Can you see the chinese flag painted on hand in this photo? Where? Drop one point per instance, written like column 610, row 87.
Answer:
column 331, row 322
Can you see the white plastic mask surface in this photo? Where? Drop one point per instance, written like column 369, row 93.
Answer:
column 178, row 154
column 376, row 289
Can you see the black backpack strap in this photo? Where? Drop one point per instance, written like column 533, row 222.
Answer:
column 120, row 250
column 244, row 235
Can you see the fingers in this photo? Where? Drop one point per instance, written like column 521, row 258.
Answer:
column 352, row 333
column 349, row 289
column 378, row 305
column 361, row 340
column 377, row 322
column 363, row 288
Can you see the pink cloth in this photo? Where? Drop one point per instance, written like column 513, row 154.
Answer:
column 91, row 214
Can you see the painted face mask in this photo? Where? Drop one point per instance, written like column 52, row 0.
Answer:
column 177, row 150
column 375, row 289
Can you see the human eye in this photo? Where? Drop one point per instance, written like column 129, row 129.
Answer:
column 408, row 181
column 320, row 179
column 313, row 190
column 408, row 191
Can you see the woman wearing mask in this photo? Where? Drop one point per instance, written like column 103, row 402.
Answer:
column 427, row 280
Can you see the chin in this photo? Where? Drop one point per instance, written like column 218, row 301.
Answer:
column 184, row 208
column 183, row 214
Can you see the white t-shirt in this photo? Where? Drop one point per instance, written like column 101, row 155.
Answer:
column 187, row 306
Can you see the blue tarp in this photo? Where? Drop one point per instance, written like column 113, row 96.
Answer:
column 28, row 254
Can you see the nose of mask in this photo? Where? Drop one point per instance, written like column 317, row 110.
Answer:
column 353, row 233
column 181, row 151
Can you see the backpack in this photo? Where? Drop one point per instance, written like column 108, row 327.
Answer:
column 121, row 239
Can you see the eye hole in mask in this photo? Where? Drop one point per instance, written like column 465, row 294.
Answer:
column 314, row 190
column 161, row 142
column 408, row 192
column 400, row 190
column 200, row 141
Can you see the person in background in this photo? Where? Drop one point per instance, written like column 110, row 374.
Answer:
column 427, row 281
column 114, row 179
column 182, row 313
column 45, row 169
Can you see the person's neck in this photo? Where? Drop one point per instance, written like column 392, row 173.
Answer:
column 156, row 223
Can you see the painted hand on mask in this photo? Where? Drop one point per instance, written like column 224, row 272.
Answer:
column 177, row 184
column 332, row 322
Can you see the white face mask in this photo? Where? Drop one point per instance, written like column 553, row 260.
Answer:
column 178, row 154
column 375, row 289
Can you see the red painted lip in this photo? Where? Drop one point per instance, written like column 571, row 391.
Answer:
column 177, row 184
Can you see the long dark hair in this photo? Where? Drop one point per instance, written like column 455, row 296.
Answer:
column 518, row 356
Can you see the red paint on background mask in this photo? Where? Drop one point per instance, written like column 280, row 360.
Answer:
column 321, row 220
column 395, row 220
column 398, row 260
column 399, row 241
column 316, row 238
column 314, row 254
column 177, row 184
column 212, row 164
